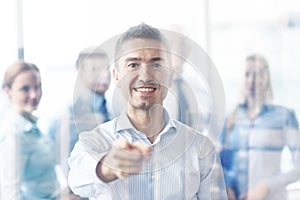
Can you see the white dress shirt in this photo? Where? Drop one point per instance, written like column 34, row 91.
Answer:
column 183, row 164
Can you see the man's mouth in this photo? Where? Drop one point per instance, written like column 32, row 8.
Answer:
column 33, row 103
column 145, row 89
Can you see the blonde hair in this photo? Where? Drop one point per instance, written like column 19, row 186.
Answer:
column 261, row 96
column 14, row 70
column 266, row 95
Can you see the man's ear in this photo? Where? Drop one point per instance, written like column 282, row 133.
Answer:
column 7, row 91
column 116, row 76
column 79, row 73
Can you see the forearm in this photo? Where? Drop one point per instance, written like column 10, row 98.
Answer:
column 82, row 174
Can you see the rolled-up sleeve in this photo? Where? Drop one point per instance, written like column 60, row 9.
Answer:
column 83, row 179
column 212, row 184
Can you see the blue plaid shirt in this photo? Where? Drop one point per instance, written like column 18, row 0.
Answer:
column 252, row 150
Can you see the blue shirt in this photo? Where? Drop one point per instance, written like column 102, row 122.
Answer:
column 183, row 164
column 253, row 148
column 84, row 114
column 27, row 160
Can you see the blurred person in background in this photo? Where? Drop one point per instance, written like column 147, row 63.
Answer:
column 89, row 107
column 256, row 133
column 188, row 99
column 27, row 156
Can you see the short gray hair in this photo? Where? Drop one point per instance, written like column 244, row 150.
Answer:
column 141, row 31
column 89, row 52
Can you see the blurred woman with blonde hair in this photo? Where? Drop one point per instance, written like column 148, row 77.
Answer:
column 256, row 133
column 27, row 155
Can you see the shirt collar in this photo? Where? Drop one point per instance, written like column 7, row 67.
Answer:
column 265, row 108
column 123, row 123
column 22, row 122
column 95, row 99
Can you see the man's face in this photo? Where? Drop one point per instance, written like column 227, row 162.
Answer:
column 95, row 75
column 143, row 73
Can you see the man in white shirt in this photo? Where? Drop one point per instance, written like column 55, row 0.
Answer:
column 143, row 153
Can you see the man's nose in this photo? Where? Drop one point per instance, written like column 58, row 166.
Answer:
column 33, row 93
column 145, row 73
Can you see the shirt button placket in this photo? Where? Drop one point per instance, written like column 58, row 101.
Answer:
column 151, row 177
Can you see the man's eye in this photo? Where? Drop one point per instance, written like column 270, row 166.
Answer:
column 156, row 65
column 25, row 89
column 133, row 65
column 38, row 87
